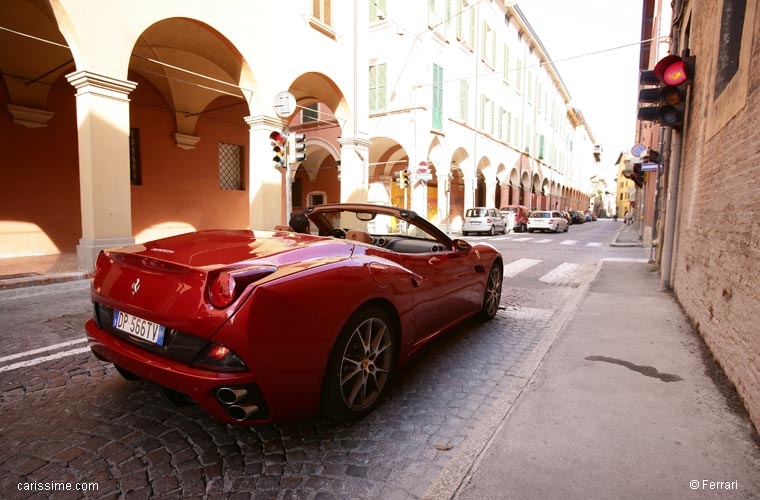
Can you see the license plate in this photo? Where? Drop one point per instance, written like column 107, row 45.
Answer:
column 138, row 327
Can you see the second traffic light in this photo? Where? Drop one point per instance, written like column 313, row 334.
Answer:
column 297, row 145
column 403, row 179
column 673, row 75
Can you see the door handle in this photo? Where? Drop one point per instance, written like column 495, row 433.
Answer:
column 416, row 281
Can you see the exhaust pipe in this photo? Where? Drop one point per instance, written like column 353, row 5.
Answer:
column 230, row 396
column 242, row 412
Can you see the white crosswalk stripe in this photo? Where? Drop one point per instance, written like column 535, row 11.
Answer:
column 593, row 244
column 564, row 274
column 524, row 238
column 568, row 242
column 514, row 268
column 547, row 240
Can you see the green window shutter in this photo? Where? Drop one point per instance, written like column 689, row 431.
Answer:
column 377, row 86
column 463, row 101
column 541, row 147
column 471, row 38
column 505, row 76
column 437, row 97
column 509, row 128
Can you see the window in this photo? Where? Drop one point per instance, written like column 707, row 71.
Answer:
column 488, row 46
column 377, row 86
column 310, row 113
column 317, row 198
column 465, row 19
column 519, row 76
column 505, row 68
column 320, row 10
column 463, row 100
column 296, row 189
column 377, row 10
column 529, row 90
column 541, row 147
column 439, row 13
column 135, row 165
column 230, row 167
column 437, row 97
column 731, row 31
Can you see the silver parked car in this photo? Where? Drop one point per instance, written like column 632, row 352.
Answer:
column 483, row 220
column 542, row 220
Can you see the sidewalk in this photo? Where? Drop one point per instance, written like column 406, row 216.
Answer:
column 627, row 404
column 33, row 270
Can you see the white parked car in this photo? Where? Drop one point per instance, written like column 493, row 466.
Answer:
column 483, row 220
column 542, row 220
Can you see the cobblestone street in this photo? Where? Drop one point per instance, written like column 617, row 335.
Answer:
column 75, row 419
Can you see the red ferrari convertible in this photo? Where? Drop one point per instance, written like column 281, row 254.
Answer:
column 263, row 326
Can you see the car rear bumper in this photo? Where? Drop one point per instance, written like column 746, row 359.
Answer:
column 200, row 385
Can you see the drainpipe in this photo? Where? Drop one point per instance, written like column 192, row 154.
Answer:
column 674, row 174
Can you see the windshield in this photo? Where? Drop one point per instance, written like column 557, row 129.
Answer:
column 477, row 212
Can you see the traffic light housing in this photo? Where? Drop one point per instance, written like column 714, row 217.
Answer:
column 403, row 179
column 297, row 143
column 673, row 75
column 278, row 140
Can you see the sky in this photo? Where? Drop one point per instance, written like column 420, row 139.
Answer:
column 604, row 86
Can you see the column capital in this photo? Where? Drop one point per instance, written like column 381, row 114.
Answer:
column 359, row 142
column 265, row 122
column 87, row 82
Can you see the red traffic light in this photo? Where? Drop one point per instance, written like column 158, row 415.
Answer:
column 278, row 138
column 672, row 70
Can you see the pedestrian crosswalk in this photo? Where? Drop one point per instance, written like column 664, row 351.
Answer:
column 565, row 274
column 533, row 239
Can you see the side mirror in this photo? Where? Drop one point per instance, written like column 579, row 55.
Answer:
column 462, row 246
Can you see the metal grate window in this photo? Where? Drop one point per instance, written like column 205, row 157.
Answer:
column 135, row 165
column 230, row 166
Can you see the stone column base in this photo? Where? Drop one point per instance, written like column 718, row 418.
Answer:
column 89, row 248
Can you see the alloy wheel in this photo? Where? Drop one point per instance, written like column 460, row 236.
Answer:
column 366, row 363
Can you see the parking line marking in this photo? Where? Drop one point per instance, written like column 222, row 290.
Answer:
column 41, row 349
column 514, row 268
column 568, row 242
column 547, row 240
column 593, row 244
column 36, row 361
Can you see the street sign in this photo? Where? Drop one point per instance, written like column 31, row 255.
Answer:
column 422, row 168
column 424, row 177
column 284, row 104
column 638, row 150
column 648, row 166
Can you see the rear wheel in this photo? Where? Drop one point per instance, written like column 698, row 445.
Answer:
column 360, row 365
column 493, row 230
column 492, row 293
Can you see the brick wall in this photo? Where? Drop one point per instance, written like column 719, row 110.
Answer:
column 717, row 257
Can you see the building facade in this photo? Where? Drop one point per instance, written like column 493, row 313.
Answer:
column 710, row 205
column 124, row 122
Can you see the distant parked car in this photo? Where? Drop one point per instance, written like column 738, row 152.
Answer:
column 577, row 217
column 483, row 220
column 516, row 217
column 567, row 216
column 541, row 220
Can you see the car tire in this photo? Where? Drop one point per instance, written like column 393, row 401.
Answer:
column 504, row 229
column 358, row 374
column 530, row 230
column 465, row 233
column 492, row 292
column 567, row 227
column 493, row 230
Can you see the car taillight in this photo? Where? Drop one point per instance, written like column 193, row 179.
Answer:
column 488, row 221
column 551, row 221
column 228, row 285
column 216, row 357
column 222, row 291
